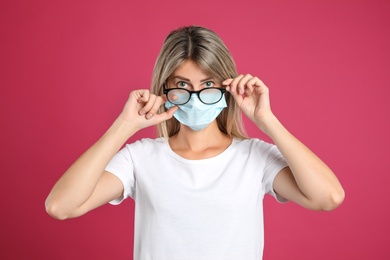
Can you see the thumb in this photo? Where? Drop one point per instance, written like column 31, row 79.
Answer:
column 171, row 111
column 165, row 115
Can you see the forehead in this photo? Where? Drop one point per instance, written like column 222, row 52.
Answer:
column 190, row 70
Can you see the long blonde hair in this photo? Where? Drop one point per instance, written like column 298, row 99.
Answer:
column 207, row 50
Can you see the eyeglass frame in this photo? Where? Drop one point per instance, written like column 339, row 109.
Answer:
column 167, row 90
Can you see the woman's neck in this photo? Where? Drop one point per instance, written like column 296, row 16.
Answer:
column 203, row 144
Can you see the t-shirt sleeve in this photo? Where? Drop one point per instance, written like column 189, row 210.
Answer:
column 121, row 165
column 273, row 165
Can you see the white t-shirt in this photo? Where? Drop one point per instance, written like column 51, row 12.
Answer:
column 197, row 209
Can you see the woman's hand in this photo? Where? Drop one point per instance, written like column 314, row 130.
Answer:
column 307, row 181
column 86, row 185
column 252, row 96
column 141, row 109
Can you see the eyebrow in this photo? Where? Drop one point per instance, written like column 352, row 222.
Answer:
column 185, row 79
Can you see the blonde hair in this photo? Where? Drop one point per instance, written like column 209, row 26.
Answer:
column 207, row 50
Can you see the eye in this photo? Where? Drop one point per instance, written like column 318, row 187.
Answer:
column 182, row 84
column 209, row 84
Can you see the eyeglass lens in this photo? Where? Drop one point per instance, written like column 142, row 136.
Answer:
column 178, row 96
column 182, row 96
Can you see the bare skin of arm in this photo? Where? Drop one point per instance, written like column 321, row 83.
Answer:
column 86, row 185
column 308, row 181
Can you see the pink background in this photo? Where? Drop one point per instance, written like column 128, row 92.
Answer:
column 67, row 67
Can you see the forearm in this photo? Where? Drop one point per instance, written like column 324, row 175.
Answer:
column 314, row 178
column 79, row 181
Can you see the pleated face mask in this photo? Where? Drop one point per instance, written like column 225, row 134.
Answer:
column 197, row 115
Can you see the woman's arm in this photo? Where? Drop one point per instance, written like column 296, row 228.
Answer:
column 307, row 181
column 85, row 185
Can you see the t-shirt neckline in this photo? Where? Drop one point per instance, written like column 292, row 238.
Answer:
column 198, row 161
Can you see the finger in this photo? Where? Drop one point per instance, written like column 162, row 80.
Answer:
column 262, row 90
column 253, row 81
column 248, row 89
column 243, row 83
column 233, row 84
column 156, row 105
column 169, row 113
column 158, row 118
column 227, row 82
column 237, row 97
column 164, row 98
column 259, row 82
column 260, row 86
column 142, row 95
column 148, row 105
column 251, row 85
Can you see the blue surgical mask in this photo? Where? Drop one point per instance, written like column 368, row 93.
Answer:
column 196, row 114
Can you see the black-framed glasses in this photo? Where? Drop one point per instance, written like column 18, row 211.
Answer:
column 180, row 96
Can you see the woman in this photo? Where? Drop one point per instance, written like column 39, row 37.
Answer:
column 199, row 187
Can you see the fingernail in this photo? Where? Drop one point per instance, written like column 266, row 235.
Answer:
column 149, row 116
column 142, row 112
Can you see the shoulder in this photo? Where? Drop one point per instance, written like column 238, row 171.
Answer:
column 142, row 150
column 254, row 145
column 145, row 147
column 256, row 148
column 145, row 144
